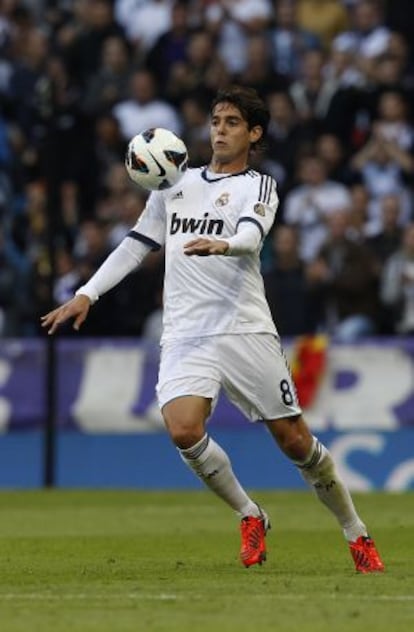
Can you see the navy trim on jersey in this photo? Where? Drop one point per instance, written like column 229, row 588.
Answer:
column 265, row 190
column 223, row 176
column 144, row 239
column 253, row 221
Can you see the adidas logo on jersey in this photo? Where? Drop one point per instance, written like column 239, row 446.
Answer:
column 178, row 196
column 204, row 226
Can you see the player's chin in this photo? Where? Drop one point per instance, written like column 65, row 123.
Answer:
column 222, row 154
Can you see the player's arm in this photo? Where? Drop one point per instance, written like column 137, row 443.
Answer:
column 147, row 234
column 247, row 240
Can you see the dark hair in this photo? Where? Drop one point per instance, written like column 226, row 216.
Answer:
column 252, row 108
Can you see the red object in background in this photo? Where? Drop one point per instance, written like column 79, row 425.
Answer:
column 308, row 365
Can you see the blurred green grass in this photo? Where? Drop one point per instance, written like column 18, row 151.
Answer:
column 110, row 561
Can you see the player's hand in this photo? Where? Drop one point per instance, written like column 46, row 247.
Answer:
column 77, row 308
column 203, row 247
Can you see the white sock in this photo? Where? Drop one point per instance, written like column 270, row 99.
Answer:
column 319, row 471
column 212, row 465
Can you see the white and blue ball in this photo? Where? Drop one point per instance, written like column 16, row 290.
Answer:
column 156, row 159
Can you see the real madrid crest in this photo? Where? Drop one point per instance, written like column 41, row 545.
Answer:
column 222, row 200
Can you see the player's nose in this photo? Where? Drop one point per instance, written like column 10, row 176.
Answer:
column 221, row 128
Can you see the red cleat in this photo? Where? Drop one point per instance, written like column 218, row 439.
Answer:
column 365, row 555
column 253, row 543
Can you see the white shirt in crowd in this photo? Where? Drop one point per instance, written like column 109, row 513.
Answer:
column 307, row 207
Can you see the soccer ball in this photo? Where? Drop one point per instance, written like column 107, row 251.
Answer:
column 156, row 159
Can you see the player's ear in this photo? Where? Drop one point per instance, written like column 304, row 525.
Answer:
column 256, row 133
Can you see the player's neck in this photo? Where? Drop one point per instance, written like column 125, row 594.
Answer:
column 231, row 167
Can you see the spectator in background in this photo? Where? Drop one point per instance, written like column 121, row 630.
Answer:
column 67, row 276
column 384, row 168
column 286, row 138
column 124, row 8
column 358, row 214
column 258, row 72
column 110, row 148
column 195, row 114
column 12, row 276
column 46, row 117
column 288, row 40
column 397, row 286
column 7, row 34
column 5, row 161
column 145, row 22
column 331, row 150
column 72, row 137
column 349, row 113
column 309, row 204
column 325, row 18
column 201, row 67
column 92, row 245
column 347, row 273
column 143, row 108
column 82, row 40
column 370, row 34
column 231, row 22
column 311, row 92
column 342, row 63
column 171, row 46
column 391, row 71
column 116, row 184
column 34, row 241
column 90, row 250
column 109, row 85
column 29, row 103
column 388, row 240
column 393, row 120
column 130, row 208
column 354, row 106
column 400, row 17
column 286, row 285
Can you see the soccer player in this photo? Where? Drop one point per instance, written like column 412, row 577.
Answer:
column 217, row 327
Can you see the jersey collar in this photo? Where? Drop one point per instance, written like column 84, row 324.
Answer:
column 206, row 177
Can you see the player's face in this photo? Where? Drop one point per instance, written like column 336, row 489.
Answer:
column 231, row 138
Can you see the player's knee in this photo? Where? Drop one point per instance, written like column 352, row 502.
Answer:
column 296, row 446
column 184, row 434
column 185, row 420
column 294, row 438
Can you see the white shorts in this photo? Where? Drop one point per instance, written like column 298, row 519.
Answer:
column 251, row 369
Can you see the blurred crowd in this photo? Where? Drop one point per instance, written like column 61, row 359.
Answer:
column 79, row 78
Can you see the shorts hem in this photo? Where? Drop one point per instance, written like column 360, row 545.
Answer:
column 295, row 414
column 173, row 397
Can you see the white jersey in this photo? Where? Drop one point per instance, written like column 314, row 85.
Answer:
column 216, row 294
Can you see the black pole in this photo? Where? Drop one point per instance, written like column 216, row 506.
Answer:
column 51, row 172
column 49, row 440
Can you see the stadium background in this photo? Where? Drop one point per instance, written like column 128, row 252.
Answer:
column 77, row 80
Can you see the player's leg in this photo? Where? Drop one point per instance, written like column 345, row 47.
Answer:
column 263, row 389
column 185, row 418
column 318, row 468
